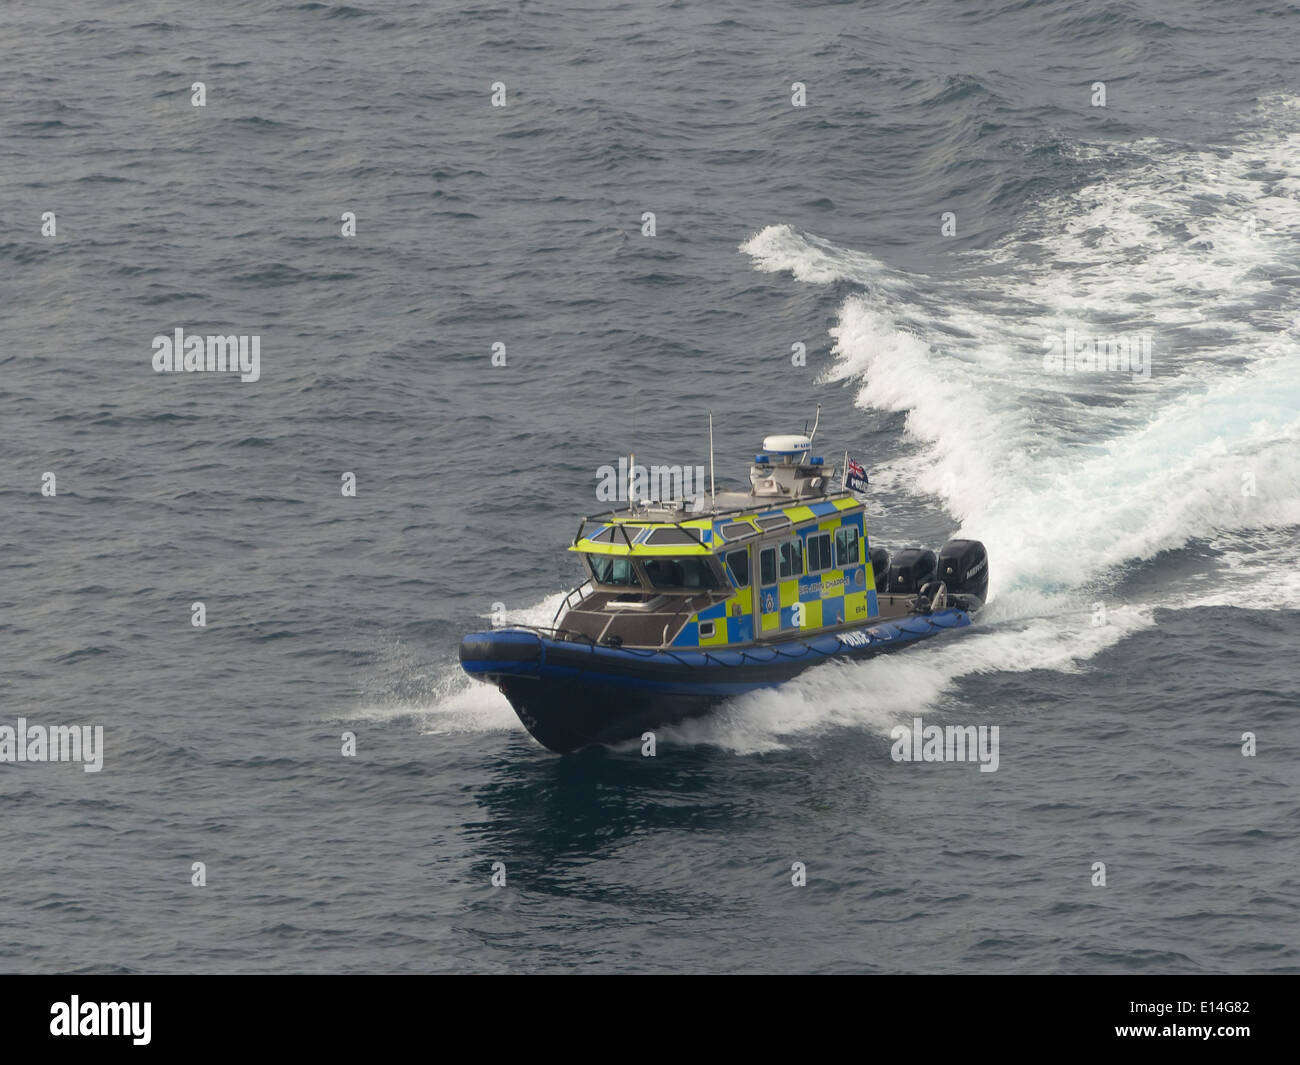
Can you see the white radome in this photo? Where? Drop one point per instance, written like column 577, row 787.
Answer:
column 790, row 442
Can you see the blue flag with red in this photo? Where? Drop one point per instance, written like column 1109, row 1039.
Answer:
column 855, row 477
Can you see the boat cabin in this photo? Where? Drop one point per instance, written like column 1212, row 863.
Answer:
column 789, row 554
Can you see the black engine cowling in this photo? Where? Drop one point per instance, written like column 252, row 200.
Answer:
column 910, row 568
column 879, row 557
column 964, row 568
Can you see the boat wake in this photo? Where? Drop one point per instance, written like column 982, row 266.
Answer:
column 1083, row 486
column 1078, row 482
column 1068, row 479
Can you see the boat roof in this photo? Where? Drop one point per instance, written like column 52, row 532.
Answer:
column 651, row 531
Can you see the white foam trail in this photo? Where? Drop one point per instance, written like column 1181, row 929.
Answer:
column 473, row 706
column 811, row 259
column 1258, row 569
column 881, row 692
column 1068, row 478
column 452, row 702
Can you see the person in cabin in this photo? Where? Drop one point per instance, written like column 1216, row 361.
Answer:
column 665, row 573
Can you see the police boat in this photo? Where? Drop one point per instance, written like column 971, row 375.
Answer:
column 680, row 612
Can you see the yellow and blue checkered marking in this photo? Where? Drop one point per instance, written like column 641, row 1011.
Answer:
column 839, row 596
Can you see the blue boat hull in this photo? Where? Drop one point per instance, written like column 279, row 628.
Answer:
column 571, row 694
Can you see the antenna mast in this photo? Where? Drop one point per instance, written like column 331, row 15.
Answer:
column 713, row 488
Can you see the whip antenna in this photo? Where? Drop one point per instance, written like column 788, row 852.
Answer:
column 713, row 489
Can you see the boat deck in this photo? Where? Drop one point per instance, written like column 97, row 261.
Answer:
column 635, row 620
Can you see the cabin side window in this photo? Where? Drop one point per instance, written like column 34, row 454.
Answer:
column 819, row 553
column 847, row 549
column 738, row 568
column 767, row 566
column 791, row 559
column 609, row 569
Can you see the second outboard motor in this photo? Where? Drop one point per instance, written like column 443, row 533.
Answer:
column 879, row 557
column 911, row 568
column 964, row 568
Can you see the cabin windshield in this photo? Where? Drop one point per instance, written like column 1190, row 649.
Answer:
column 606, row 569
column 693, row 571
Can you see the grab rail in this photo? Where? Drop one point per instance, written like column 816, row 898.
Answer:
column 568, row 603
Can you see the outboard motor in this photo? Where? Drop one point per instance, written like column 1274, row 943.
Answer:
column 910, row 569
column 933, row 596
column 879, row 557
column 964, row 567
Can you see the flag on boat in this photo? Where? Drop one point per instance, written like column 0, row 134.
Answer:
column 855, row 477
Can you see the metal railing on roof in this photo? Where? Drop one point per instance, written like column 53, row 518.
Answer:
column 621, row 519
column 695, row 535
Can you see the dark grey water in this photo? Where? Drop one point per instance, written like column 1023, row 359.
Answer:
column 1171, row 504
